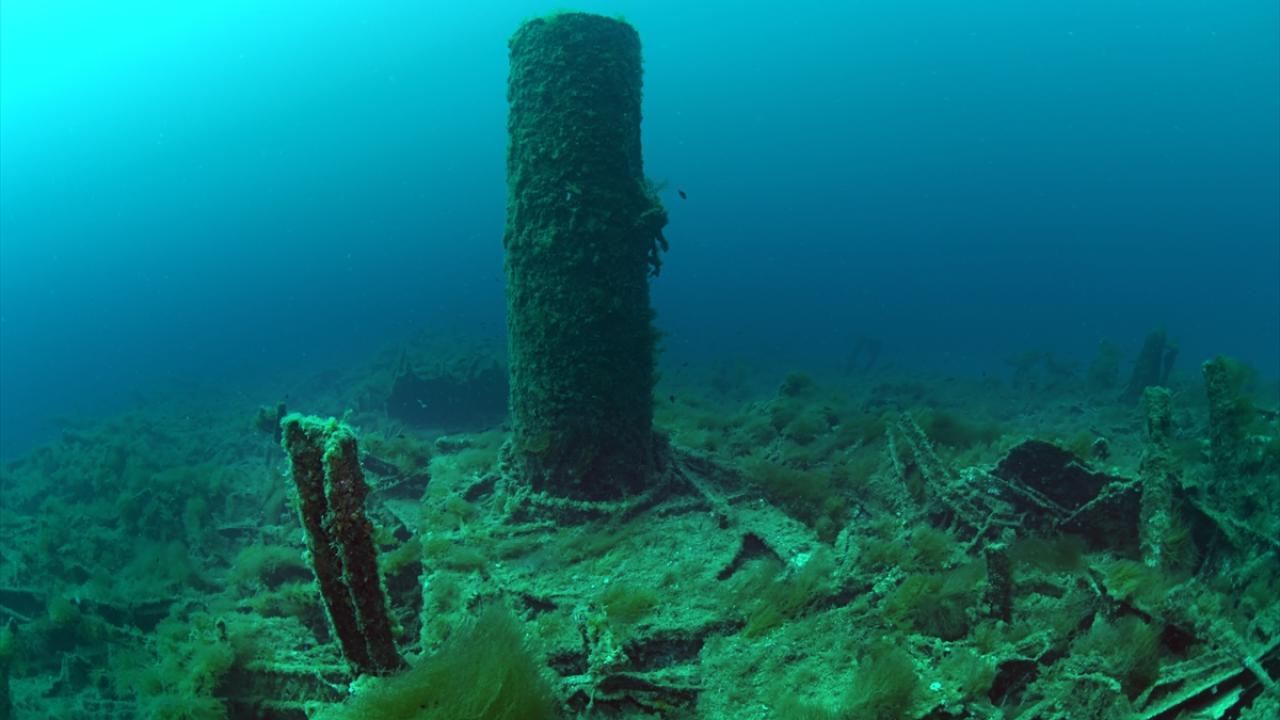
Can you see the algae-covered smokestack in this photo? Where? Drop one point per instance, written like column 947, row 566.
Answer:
column 583, row 234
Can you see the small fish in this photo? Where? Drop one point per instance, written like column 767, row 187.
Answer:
column 682, row 195
column 673, row 398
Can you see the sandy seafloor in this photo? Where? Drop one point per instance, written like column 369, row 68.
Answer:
column 868, row 543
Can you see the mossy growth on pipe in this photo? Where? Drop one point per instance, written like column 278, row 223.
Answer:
column 1158, row 520
column 325, row 466
column 583, row 236
column 353, row 533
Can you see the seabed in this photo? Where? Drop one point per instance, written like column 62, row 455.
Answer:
column 863, row 543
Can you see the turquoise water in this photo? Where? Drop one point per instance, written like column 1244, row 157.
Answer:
column 967, row 393
column 214, row 192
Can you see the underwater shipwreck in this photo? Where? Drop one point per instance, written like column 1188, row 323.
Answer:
column 551, row 529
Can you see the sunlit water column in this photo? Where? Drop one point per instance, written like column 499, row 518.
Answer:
column 583, row 236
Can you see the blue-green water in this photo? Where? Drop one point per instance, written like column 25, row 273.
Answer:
column 208, row 193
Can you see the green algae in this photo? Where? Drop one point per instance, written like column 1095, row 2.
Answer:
column 949, row 429
column 627, row 604
column 937, row 604
column 177, row 677
column 884, row 686
column 773, row 595
column 485, row 672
